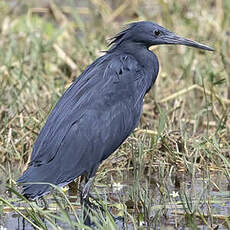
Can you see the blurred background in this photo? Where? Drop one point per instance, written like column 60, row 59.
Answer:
column 185, row 125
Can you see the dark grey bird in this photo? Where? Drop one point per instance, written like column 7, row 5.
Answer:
column 98, row 111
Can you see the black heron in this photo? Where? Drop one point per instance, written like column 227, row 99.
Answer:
column 98, row 111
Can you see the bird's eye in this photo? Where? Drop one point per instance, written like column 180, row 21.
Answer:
column 157, row 32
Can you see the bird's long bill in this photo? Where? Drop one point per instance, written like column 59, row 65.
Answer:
column 174, row 39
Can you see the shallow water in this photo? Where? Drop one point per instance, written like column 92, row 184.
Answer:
column 210, row 196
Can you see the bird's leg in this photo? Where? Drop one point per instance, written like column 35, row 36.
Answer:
column 89, row 178
column 86, row 188
column 86, row 205
column 86, row 183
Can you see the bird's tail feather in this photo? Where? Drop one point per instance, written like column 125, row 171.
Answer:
column 35, row 181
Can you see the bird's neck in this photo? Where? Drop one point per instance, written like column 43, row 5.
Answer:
column 146, row 58
column 133, row 48
column 142, row 54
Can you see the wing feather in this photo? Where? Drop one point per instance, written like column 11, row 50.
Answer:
column 91, row 120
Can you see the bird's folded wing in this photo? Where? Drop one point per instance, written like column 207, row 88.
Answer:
column 98, row 109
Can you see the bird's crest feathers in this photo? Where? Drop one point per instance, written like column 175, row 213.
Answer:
column 118, row 38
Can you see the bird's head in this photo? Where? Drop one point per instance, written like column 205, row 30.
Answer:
column 149, row 34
